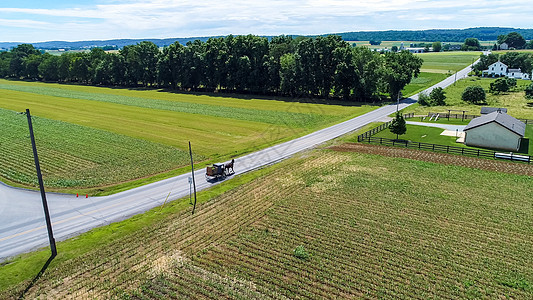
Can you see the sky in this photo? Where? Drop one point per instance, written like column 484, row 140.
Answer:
column 67, row 20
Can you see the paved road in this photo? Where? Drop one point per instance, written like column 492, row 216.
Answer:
column 22, row 227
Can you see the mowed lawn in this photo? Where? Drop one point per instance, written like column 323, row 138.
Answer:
column 218, row 127
column 516, row 103
column 367, row 226
column 438, row 66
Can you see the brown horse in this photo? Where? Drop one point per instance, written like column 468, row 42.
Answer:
column 229, row 166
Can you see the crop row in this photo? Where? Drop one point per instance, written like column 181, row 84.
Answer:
column 364, row 245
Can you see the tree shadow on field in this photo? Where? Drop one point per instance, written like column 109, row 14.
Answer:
column 41, row 272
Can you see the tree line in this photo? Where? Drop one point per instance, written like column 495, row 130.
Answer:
column 315, row 67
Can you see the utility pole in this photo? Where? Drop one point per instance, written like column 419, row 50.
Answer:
column 41, row 187
column 193, row 182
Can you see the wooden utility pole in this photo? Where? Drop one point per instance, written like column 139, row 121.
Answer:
column 41, row 187
column 193, row 181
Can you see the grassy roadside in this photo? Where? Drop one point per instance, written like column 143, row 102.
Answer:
column 372, row 226
column 26, row 266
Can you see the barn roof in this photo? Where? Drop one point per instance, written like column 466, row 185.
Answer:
column 503, row 119
column 487, row 110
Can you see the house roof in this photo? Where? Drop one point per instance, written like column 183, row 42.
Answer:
column 487, row 110
column 515, row 70
column 502, row 119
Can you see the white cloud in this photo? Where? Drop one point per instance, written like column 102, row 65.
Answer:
column 170, row 18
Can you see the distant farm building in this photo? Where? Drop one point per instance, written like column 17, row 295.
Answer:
column 415, row 50
column 504, row 46
column 496, row 130
column 499, row 69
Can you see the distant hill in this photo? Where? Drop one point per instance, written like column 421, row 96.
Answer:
column 443, row 35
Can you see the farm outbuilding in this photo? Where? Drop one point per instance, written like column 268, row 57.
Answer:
column 496, row 130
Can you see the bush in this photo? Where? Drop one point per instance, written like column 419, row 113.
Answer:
column 499, row 85
column 438, row 96
column 435, row 98
column 474, row 94
column 424, row 99
column 529, row 91
column 300, row 252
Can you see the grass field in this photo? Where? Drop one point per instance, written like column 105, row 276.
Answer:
column 369, row 227
column 150, row 122
column 438, row 66
column 518, row 106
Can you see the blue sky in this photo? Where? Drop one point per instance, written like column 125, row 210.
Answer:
column 35, row 21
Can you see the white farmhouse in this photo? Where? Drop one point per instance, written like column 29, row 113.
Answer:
column 496, row 130
column 499, row 69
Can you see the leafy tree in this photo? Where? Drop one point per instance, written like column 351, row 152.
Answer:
column 515, row 60
column 398, row 125
column 288, row 74
column 529, row 45
column 515, row 40
column 424, row 99
column 529, row 91
column 49, row 67
column 400, row 68
column 474, row 94
column 500, row 85
column 471, row 44
column 374, row 43
column 369, row 73
column 437, row 46
column 394, row 48
column 438, row 95
column 485, row 61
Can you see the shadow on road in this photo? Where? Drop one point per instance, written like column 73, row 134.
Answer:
column 38, row 276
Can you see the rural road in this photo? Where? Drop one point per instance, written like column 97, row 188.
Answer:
column 22, row 225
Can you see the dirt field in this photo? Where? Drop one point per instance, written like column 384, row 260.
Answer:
column 442, row 158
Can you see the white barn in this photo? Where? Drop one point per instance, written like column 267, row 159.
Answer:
column 499, row 69
column 496, row 130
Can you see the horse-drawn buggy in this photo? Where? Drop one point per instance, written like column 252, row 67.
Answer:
column 217, row 171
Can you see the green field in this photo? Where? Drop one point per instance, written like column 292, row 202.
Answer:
column 371, row 226
column 447, row 62
column 518, row 106
column 139, row 133
column 422, row 82
column 438, row 66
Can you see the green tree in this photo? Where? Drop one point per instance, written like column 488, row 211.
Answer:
column 485, row 61
column 438, row 95
column 529, row 45
column 437, row 46
column 424, row 99
column 398, row 125
column 515, row 40
column 288, row 74
column 394, row 48
column 369, row 72
column 474, row 94
column 471, row 44
column 529, row 91
column 49, row 67
column 500, row 85
column 400, row 68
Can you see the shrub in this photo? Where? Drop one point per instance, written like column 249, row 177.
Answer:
column 499, row 85
column 529, row 91
column 424, row 99
column 438, row 95
column 300, row 252
column 474, row 94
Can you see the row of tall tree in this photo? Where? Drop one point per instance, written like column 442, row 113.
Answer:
column 322, row 66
